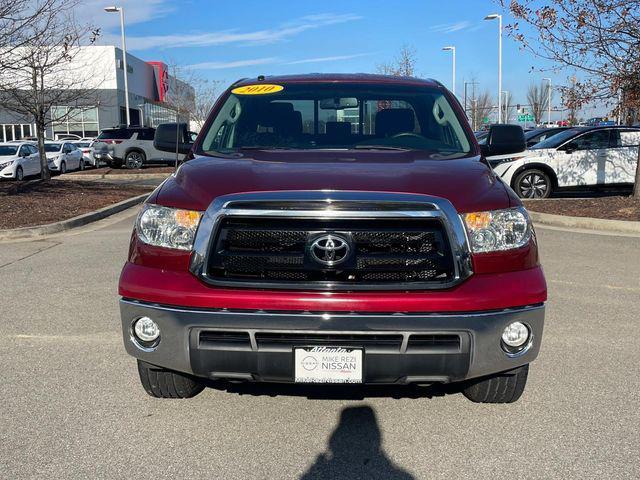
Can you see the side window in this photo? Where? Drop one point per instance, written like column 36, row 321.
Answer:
column 592, row 140
column 33, row 149
column 147, row 134
column 66, row 148
column 627, row 138
column 23, row 151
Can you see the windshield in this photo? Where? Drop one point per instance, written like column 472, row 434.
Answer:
column 52, row 147
column 7, row 150
column 556, row 140
column 339, row 116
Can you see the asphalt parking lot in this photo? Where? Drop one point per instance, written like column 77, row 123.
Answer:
column 72, row 406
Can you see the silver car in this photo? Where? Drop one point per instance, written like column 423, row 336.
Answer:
column 131, row 147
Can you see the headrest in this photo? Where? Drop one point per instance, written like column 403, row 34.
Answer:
column 394, row 120
column 338, row 129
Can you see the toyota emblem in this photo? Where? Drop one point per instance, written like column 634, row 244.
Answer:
column 330, row 250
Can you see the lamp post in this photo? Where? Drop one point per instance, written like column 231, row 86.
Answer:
column 453, row 80
column 120, row 10
column 549, row 101
column 493, row 16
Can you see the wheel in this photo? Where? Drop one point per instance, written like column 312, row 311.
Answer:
column 533, row 184
column 19, row 174
column 81, row 164
column 134, row 160
column 505, row 387
column 161, row 383
column 63, row 168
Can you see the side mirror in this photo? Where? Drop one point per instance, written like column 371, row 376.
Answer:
column 568, row 148
column 170, row 137
column 504, row 140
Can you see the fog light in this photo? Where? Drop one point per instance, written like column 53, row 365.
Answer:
column 515, row 334
column 146, row 329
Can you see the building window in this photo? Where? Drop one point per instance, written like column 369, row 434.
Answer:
column 81, row 121
column 15, row 131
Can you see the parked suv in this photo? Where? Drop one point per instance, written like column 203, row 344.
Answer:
column 335, row 229
column 131, row 147
column 577, row 157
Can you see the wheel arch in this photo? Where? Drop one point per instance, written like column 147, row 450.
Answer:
column 134, row 149
column 535, row 166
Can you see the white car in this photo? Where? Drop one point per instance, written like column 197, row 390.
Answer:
column 19, row 160
column 86, row 147
column 583, row 156
column 63, row 156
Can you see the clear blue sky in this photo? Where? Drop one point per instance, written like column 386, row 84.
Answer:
column 226, row 40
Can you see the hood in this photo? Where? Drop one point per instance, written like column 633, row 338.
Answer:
column 468, row 183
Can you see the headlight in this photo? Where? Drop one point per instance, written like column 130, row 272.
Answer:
column 6, row 164
column 498, row 229
column 168, row 227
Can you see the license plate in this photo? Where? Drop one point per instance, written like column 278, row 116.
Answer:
column 328, row 365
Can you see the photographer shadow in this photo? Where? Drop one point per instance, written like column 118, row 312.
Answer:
column 355, row 450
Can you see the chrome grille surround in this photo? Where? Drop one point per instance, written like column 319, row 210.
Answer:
column 331, row 205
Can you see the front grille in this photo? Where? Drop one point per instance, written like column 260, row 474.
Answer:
column 374, row 342
column 382, row 252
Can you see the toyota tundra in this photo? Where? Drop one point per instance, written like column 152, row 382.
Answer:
column 334, row 229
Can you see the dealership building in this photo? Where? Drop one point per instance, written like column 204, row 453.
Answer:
column 153, row 94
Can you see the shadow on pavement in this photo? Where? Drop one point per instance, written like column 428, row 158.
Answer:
column 355, row 450
column 593, row 192
column 336, row 392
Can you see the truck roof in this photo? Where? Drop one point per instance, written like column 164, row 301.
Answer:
column 339, row 78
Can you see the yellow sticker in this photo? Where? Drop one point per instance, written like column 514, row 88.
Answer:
column 262, row 89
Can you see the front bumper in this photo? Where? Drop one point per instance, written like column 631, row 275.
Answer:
column 237, row 353
column 8, row 172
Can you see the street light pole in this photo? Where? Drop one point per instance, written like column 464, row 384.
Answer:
column 549, row 101
column 115, row 9
column 493, row 16
column 453, row 80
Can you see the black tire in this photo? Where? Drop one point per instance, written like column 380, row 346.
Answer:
column 63, row 168
column 19, row 174
column 161, row 383
column 81, row 164
column 135, row 160
column 505, row 387
column 533, row 183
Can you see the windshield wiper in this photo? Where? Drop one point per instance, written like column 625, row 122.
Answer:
column 264, row 147
column 381, row 147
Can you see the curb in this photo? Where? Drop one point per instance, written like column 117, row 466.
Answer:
column 586, row 223
column 105, row 176
column 80, row 220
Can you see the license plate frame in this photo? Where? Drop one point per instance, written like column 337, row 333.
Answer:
column 328, row 364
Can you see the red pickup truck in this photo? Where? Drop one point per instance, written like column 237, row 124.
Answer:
column 335, row 229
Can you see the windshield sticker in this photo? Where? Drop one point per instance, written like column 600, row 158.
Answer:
column 263, row 89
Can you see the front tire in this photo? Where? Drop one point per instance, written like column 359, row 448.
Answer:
column 63, row 168
column 161, row 383
column 533, row 183
column 505, row 387
column 134, row 160
column 19, row 174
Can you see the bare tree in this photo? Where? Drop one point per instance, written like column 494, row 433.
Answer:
column 538, row 99
column 44, row 71
column 206, row 96
column 508, row 107
column 15, row 17
column 180, row 96
column 480, row 108
column 600, row 39
column 404, row 65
